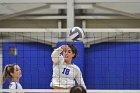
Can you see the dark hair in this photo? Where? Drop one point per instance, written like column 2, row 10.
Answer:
column 74, row 49
column 78, row 89
column 7, row 71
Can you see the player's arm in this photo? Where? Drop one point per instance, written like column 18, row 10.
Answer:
column 56, row 55
column 79, row 79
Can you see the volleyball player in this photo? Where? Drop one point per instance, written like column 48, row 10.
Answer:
column 14, row 72
column 64, row 71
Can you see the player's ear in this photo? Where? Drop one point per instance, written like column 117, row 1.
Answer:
column 73, row 56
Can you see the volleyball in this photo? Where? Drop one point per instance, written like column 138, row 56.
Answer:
column 76, row 34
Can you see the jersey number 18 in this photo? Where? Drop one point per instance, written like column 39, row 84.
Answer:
column 66, row 71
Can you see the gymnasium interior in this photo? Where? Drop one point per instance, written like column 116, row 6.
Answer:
column 108, row 56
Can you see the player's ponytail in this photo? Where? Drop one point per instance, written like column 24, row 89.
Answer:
column 5, row 74
column 7, row 71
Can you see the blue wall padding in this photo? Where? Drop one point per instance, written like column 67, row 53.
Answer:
column 113, row 66
column 109, row 65
column 35, row 62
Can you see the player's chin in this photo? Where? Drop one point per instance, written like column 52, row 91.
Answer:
column 66, row 58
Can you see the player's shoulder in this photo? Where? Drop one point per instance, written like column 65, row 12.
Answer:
column 76, row 67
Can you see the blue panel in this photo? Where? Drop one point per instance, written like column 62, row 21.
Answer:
column 104, row 66
column 35, row 62
column 113, row 65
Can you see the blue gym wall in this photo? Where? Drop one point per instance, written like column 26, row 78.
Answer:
column 35, row 62
column 104, row 66
column 113, row 66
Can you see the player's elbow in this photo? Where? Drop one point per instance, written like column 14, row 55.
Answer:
column 54, row 60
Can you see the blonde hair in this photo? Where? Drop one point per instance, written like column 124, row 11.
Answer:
column 7, row 71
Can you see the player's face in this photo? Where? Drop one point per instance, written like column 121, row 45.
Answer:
column 17, row 72
column 68, row 54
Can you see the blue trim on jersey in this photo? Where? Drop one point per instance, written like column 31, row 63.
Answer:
column 16, row 85
column 61, row 54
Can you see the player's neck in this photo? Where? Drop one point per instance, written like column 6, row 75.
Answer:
column 68, row 62
column 15, row 79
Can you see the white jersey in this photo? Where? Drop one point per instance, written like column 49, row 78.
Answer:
column 15, row 85
column 63, row 73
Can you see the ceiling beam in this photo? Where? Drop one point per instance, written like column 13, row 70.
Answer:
column 65, row 1
column 76, row 17
column 23, row 12
column 117, row 11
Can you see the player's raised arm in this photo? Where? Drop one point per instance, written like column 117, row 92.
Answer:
column 56, row 56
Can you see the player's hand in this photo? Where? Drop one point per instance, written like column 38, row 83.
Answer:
column 64, row 47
